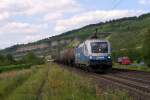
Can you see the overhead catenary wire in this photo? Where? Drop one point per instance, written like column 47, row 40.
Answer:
column 116, row 4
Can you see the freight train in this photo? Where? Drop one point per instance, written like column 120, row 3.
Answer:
column 92, row 54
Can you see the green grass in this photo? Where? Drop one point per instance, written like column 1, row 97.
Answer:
column 14, row 67
column 65, row 85
column 115, row 95
column 132, row 67
column 29, row 90
column 12, row 80
column 51, row 82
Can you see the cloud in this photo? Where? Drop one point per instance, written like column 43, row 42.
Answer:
column 23, row 21
column 31, row 7
column 92, row 17
column 16, row 32
column 144, row 2
column 52, row 16
column 4, row 16
column 30, row 38
column 17, row 27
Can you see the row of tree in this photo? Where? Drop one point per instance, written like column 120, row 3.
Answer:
column 29, row 58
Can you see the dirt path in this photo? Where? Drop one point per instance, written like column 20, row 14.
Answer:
column 40, row 91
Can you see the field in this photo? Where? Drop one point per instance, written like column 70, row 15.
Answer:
column 51, row 82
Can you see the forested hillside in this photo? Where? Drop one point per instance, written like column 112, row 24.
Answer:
column 125, row 33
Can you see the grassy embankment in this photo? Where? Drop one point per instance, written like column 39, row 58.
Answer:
column 51, row 82
column 132, row 67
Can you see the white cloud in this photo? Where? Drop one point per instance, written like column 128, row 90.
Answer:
column 30, row 38
column 31, row 7
column 17, row 27
column 52, row 16
column 23, row 21
column 16, row 32
column 144, row 2
column 92, row 17
column 4, row 16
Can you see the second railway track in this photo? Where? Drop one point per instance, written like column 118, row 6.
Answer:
column 138, row 87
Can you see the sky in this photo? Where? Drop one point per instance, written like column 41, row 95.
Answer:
column 24, row 21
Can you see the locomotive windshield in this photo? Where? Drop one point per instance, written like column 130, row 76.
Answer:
column 99, row 47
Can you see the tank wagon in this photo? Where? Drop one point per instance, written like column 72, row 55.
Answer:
column 67, row 56
column 92, row 54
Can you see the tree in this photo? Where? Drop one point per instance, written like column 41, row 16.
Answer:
column 134, row 54
column 9, row 59
column 33, row 59
column 30, row 57
column 2, row 58
column 146, row 48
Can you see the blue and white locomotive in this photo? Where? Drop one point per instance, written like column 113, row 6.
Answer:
column 94, row 54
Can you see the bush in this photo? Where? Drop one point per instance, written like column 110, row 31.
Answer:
column 12, row 67
column 31, row 58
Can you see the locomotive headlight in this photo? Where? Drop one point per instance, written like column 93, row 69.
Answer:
column 109, row 57
column 90, row 57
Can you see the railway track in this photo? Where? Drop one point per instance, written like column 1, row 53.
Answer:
column 128, row 77
column 132, row 73
column 137, row 87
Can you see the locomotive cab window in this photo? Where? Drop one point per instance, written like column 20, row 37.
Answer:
column 99, row 47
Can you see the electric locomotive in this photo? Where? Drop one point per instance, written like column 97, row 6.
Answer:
column 94, row 54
